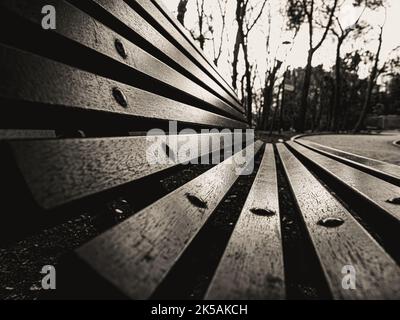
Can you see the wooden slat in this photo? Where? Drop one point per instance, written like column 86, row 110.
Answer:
column 59, row 171
column 252, row 265
column 81, row 28
column 44, row 81
column 373, row 189
column 160, row 5
column 166, row 25
column 136, row 255
column 15, row 134
column 125, row 14
column 377, row 275
column 380, row 167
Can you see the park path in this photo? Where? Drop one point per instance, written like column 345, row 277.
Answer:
column 377, row 146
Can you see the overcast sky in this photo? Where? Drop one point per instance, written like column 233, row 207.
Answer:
column 297, row 56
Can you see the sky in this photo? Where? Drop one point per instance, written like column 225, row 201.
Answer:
column 295, row 55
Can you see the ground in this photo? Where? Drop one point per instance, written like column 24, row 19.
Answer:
column 376, row 146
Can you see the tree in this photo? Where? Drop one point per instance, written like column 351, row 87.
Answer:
column 245, row 22
column 341, row 34
column 310, row 11
column 372, row 81
column 182, row 8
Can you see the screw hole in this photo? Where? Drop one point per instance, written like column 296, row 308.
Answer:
column 331, row 222
column 120, row 97
column 395, row 200
column 196, row 201
column 263, row 212
column 119, row 46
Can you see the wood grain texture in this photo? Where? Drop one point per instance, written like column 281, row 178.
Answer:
column 123, row 12
column 373, row 189
column 83, row 29
column 44, row 81
column 59, row 171
column 252, row 265
column 160, row 5
column 136, row 255
column 377, row 275
column 166, row 25
column 384, row 168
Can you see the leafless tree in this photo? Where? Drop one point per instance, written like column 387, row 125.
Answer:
column 341, row 35
column 247, row 16
column 310, row 11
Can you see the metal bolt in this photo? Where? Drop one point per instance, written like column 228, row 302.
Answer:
column 331, row 222
column 263, row 212
column 120, row 97
column 119, row 46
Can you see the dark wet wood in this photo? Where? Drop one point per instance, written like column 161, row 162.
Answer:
column 125, row 14
column 167, row 26
column 342, row 244
column 380, row 167
column 43, row 81
column 83, row 29
column 373, row 189
column 60, row 171
column 252, row 265
column 136, row 255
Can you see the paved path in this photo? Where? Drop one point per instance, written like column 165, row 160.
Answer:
column 379, row 146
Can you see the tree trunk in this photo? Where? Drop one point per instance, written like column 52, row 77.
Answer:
column 371, row 85
column 182, row 8
column 271, row 130
column 249, row 90
column 268, row 94
column 337, row 105
column 281, row 109
column 301, row 123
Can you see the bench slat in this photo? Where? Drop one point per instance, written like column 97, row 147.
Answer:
column 44, row 81
column 387, row 169
column 136, row 255
column 160, row 5
column 163, row 23
column 373, row 189
column 377, row 275
column 81, row 28
column 60, row 171
column 125, row 14
column 252, row 265
column 15, row 134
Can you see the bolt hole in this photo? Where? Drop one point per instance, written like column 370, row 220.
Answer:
column 196, row 201
column 262, row 212
column 120, row 97
column 331, row 222
column 395, row 200
column 119, row 46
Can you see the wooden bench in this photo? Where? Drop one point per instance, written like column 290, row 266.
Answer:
column 77, row 102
